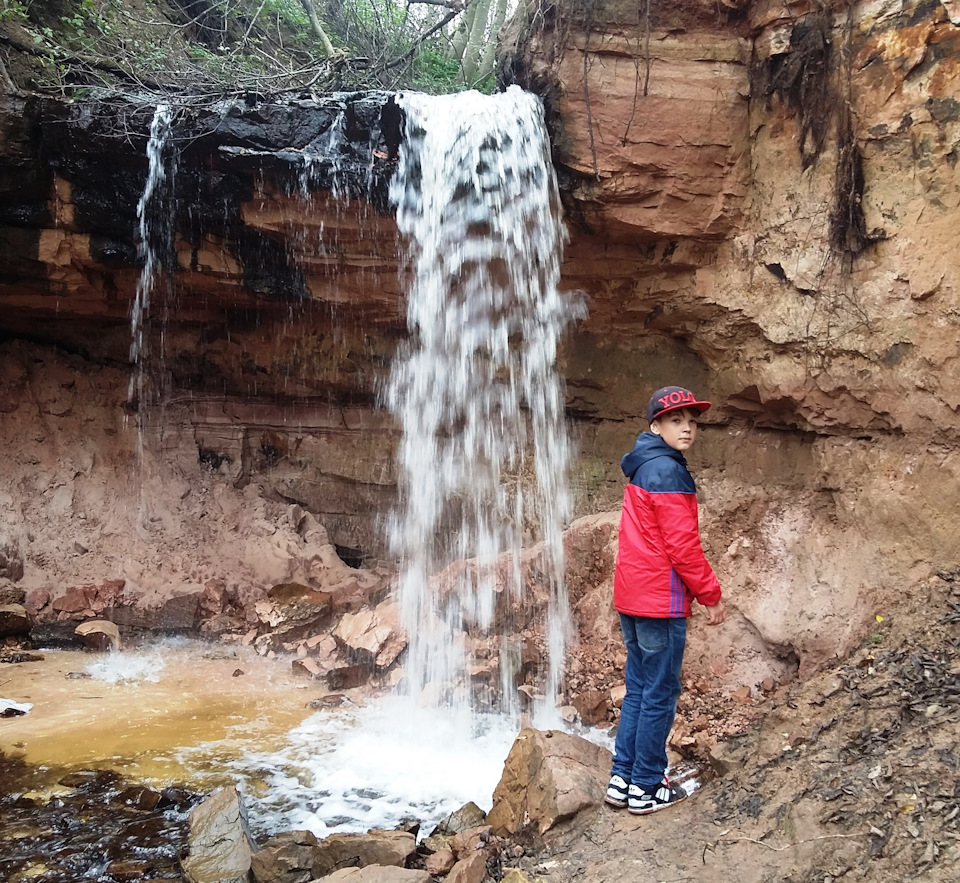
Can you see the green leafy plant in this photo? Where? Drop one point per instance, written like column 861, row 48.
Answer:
column 12, row 10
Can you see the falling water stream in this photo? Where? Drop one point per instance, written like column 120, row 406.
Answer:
column 484, row 453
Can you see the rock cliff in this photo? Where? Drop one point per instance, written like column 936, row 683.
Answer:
column 764, row 197
column 762, row 201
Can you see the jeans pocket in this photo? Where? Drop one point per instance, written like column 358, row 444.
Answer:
column 652, row 634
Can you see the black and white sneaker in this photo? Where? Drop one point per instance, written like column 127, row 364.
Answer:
column 617, row 792
column 641, row 802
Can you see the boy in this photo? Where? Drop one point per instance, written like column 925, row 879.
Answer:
column 660, row 568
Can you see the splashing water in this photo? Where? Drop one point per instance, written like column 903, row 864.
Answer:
column 372, row 767
column 484, row 453
column 119, row 668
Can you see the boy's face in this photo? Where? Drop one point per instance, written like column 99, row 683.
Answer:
column 677, row 428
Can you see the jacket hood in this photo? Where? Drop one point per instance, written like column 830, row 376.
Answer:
column 648, row 446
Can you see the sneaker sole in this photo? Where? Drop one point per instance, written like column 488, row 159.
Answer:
column 650, row 809
column 614, row 802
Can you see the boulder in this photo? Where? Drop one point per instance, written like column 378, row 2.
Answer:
column 180, row 613
column 35, row 600
column 592, row 706
column 286, row 858
column 439, row 864
column 139, row 797
column 56, row 636
column 307, row 667
column 342, row 676
column 96, row 597
column 293, row 611
column 220, row 848
column 74, row 600
column 213, row 599
column 14, row 620
column 372, row 636
column 376, row 847
column 472, row 869
column 472, row 840
column 468, row 816
column 549, row 777
column 99, row 634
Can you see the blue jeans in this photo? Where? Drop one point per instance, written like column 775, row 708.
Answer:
column 654, row 657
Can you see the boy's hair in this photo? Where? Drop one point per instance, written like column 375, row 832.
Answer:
column 673, row 398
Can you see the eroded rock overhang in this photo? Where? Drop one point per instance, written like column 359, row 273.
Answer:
column 247, row 190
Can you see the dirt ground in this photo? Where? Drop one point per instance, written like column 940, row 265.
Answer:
column 853, row 774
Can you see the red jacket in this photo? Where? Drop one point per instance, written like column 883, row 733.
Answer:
column 660, row 563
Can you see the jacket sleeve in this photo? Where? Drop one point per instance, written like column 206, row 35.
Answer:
column 679, row 525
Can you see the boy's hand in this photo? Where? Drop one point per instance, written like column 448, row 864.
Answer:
column 716, row 614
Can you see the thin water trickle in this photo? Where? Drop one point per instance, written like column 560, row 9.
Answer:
column 484, row 454
column 160, row 131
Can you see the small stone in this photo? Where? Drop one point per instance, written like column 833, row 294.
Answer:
column 99, row 634
column 617, row 695
column 440, row 863
column 307, row 666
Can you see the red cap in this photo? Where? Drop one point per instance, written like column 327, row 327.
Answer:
column 673, row 398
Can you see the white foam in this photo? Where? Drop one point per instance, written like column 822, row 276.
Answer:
column 373, row 767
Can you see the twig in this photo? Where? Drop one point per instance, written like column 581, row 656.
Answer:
column 450, row 16
column 9, row 85
column 780, row 848
column 588, row 20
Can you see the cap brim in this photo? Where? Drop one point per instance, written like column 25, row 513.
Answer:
column 698, row 406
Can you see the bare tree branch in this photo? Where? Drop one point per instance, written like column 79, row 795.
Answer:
column 311, row 12
column 450, row 16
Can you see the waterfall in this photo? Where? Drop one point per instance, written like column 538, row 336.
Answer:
column 484, row 451
column 151, row 209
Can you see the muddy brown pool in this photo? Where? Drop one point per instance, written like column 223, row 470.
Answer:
column 138, row 712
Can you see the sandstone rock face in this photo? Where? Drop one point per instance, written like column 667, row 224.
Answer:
column 653, row 132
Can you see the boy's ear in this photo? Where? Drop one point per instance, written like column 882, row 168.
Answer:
column 655, row 427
